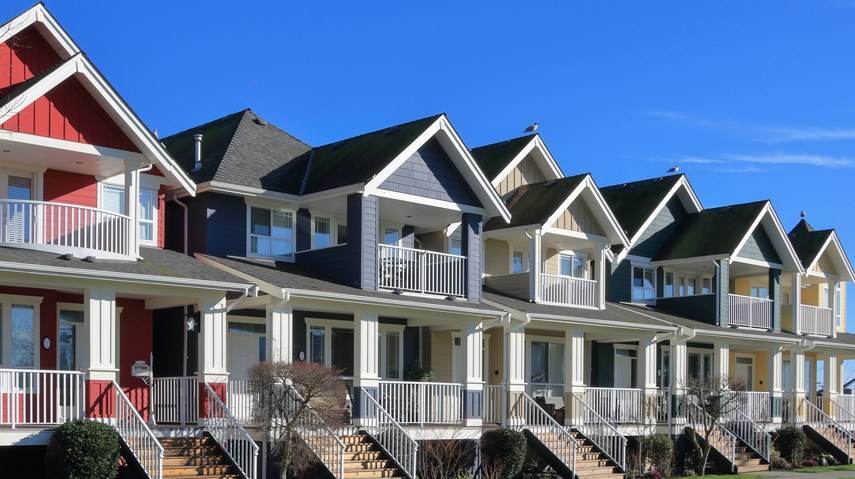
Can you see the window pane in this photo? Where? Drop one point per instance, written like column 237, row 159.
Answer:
column 669, row 285
column 323, row 233
column 556, row 363
column 638, row 277
column 564, row 264
column 706, row 286
column 260, row 221
column 648, row 279
column 517, row 262
column 67, row 347
column 690, row 286
column 456, row 246
column 148, row 202
column 580, row 267
column 391, row 236
column 20, row 188
column 262, row 349
column 281, row 248
column 393, row 340
column 113, row 199
column 316, row 345
column 22, row 336
column 341, row 234
column 342, row 351
column 539, row 362
column 283, row 225
column 260, row 245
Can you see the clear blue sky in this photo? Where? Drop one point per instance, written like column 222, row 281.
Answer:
column 753, row 100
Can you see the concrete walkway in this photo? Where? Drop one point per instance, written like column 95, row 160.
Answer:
column 806, row 475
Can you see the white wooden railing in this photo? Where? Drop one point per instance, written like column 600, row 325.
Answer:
column 566, row 290
column 228, row 432
column 832, row 430
column 40, row 397
column 422, row 402
column 57, row 225
column 175, row 400
column 409, row 269
column 750, row 311
column 323, row 441
column 598, row 430
column 663, row 406
column 616, row 405
column 720, row 438
column 816, row 320
column 545, row 389
column 242, row 400
column 846, row 402
column 751, row 433
column 389, row 434
column 495, row 396
column 527, row 414
column 137, row 436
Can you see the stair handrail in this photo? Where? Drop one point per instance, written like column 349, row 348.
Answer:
column 844, row 415
column 137, row 436
column 730, row 438
column 752, row 434
column 602, row 433
column 536, row 417
column 816, row 416
column 230, row 434
column 394, row 439
column 330, row 450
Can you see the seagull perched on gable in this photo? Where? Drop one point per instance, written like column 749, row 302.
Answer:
column 531, row 128
column 673, row 169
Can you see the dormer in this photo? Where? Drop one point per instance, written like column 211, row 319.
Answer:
column 73, row 155
column 517, row 162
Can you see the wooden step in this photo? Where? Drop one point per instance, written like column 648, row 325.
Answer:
column 754, row 468
column 201, row 460
column 172, row 471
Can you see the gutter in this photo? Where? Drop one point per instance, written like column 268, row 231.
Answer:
column 386, row 302
column 253, row 290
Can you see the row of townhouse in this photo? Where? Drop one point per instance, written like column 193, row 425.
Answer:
column 140, row 279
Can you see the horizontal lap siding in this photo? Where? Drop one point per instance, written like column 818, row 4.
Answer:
column 660, row 229
column 71, row 188
column 498, row 257
column 336, row 262
column 759, row 247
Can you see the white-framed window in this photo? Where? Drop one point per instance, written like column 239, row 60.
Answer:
column 700, row 364
column 681, row 285
column 391, row 352
column 676, row 283
column 759, row 292
column 391, row 235
column 322, row 232
column 573, row 265
column 148, row 205
column 545, row 366
column 455, row 243
column 691, row 286
column 706, row 285
column 518, row 263
column 643, row 284
column 331, row 342
column 669, row 285
column 19, row 331
column 271, row 233
column 71, row 336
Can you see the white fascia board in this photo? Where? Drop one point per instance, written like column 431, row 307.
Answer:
column 446, row 205
column 755, row 262
column 121, row 277
column 731, row 333
column 505, row 231
column 551, row 166
column 842, row 260
column 391, row 302
column 602, row 322
column 54, row 33
column 694, row 202
column 600, row 204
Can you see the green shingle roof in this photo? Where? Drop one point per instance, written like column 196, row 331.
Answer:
column 632, row 203
column 807, row 241
column 493, row 158
column 714, row 231
column 534, row 203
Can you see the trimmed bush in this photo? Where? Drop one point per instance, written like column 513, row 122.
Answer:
column 791, row 442
column 658, row 450
column 503, row 451
column 83, row 449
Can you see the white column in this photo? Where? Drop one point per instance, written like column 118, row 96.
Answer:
column 797, row 372
column 100, row 312
column 830, row 383
column 366, row 369
column 212, row 342
column 721, row 361
column 679, row 377
column 132, row 199
column 832, row 287
column 601, row 276
column 796, row 301
column 280, row 327
column 535, row 265
column 514, row 370
column 473, row 351
column 574, row 375
column 774, row 370
column 647, row 375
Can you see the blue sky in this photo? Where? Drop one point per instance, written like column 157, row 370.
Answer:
column 753, row 100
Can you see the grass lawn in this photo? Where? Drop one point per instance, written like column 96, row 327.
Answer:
column 810, row 470
column 731, row 476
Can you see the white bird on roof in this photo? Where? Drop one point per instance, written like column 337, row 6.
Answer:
column 673, row 169
column 531, row 128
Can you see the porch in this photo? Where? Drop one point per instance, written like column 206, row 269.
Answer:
column 554, row 288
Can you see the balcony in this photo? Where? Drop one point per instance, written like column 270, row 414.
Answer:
column 749, row 311
column 816, row 320
column 63, row 228
column 568, row 291
column 421, row 271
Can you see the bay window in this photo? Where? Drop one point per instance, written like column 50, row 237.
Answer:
column 271, row 233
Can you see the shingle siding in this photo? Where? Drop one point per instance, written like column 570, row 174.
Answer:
column 662, row 227
column 759, row 247
column 362, row 234
column 471, row 248
column 431, row 174
column 226, row 225
column 337, row 263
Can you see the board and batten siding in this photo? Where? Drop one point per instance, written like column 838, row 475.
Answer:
column 525, row 173
column 660, row 229
column 430, row 173
column 824, row 265
column 578, row 217
column 498, row 259
column 759, row 247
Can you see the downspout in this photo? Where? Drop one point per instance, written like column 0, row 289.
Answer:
column 248, row 291
column 186, row 311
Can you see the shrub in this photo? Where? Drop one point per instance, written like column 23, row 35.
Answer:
column 778, row 462
column 83, row 449
column 504, row 451
column 658, row 450
column 416, row 371
column 791, row 442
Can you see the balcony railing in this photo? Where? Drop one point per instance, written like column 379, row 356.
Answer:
column 750, row 311
column 59, row 227
column 495, row 396
column 409, row 269
column 422, row 402
column 815, row 320
column 755, row 405
column 569, row 291
column 616, row 405
column 36, row 397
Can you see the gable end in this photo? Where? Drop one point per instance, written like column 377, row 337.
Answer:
column 759, row 247
column 662, row 227
column 578, row 217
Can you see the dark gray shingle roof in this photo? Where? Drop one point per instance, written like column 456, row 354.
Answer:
column 535, row 203
column 493, row 158
column 807, row 241
column 632, row 203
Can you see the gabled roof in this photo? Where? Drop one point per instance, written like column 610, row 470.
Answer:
column 636, row 204
column 75, row 64
column 496, row 160
column 241, row 149
column 723, row 231
column 810, row 244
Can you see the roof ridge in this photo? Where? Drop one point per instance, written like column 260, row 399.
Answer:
column 647, row 180
column 528, row 136
column 437, row 116
column 734, row 205
column 202, row 126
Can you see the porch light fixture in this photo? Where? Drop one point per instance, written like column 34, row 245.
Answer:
column 191, row 324
column 46, row 342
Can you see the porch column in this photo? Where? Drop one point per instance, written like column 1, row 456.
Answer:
column 212, row 352
column 721, row 361
column 534, row 267
column 832, row 304
column 797, row 362
column 600, row 272
column 473, row 390
column 366, row 369
column 796, row 302
column 831, row 370
column 679, row 378
column 132, row 198
column 647, row 376
column 280, row 327
column 574, row 376
column 514, row 373
column 774, row 370
column 775, row 295
column 99, row 307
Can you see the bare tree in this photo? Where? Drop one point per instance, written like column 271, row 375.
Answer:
column 444, row 458
column 300, row 405
column 710, row 401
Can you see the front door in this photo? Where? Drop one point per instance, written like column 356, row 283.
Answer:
column 745, row 371
column 245, row 348
column 625, row 369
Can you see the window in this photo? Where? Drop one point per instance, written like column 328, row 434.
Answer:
column 669, row 285
column 575, row 266
column 69, row 322
column 317, row 344
column 546, row 369
column 759, row 292
column 391, row 236
column 271, row 233
column 691, row 284
column 113, row 200
column 321, row 232
column 331, row 342
column 455, row 244
column 643, row 284
column 517, row 263
column 706, row 285
column 700, row 365
column 681, row 285
column 391, row 355
column 18, row 333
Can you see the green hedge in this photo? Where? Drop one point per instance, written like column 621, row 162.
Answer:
column 503, row 451
column 83, row 449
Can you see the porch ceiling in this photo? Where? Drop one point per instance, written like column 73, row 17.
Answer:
column 31, row 151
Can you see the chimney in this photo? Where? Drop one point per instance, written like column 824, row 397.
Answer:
column 197, row 138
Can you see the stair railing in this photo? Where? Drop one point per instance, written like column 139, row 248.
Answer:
column 393, row 438
column 312, row 428
column 137, row 436
column 841, row 414
column 229, row 433
column 833, row 430
column 538, row 421
column 599, row 431
column 697, row 416
column 751, row 433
